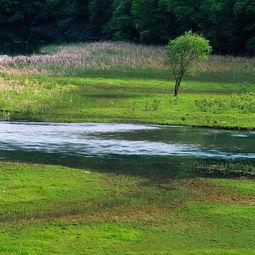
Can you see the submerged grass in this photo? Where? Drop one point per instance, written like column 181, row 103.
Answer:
column 59, row 210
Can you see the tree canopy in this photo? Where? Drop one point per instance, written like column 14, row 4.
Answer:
column 228, row 24
column 184, row 53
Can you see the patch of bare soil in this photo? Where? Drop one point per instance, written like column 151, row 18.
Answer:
column 213, row 193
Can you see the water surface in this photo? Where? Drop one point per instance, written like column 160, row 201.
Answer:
column 99, row 145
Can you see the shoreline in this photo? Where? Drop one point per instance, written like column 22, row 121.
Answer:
column 217, row 127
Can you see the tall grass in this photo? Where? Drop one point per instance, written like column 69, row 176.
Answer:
column 70, row 59
column 119, row 58
column 27, row 98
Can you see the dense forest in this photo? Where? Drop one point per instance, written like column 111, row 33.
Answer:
column 27, row 24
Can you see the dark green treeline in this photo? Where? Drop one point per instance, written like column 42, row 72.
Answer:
column 26, row 24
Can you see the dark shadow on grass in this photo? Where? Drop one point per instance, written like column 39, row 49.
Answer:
column 155, row 167
column 165, row 75
column 129, row 91
column 109, row 96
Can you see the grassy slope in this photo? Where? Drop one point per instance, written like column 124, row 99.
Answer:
column 70, row 211
column 78, row 99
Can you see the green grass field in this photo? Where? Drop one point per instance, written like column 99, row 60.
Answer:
column 65, row 99
column 60, row 210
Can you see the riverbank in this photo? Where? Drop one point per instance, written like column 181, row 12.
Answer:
column 65, row 210
column 127, row 100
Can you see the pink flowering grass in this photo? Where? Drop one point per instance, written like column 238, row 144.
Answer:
column 118, row 57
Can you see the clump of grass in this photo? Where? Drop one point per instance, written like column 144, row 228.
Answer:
column 25, row 98
column 242, row 103
column 224, row 168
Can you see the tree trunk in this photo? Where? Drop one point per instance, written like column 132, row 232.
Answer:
column 176, row 88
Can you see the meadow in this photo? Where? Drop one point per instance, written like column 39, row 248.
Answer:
column 80, row 211
column 121, row 82
column 65, row 210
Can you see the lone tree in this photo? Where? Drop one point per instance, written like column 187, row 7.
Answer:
column 184, row 53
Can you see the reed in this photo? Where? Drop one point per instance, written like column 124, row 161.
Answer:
column 120, row 58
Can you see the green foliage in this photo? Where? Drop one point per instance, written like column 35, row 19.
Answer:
column 246, row 10
column 184, row 53
column 122, row 25
column 100, row 12
column 228, row 24
column 150, row 21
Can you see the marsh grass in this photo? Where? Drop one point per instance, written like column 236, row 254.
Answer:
column 28, row 98
column 70, row 59
column 121, row 59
